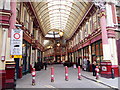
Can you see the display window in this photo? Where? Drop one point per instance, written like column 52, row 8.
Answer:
column 97, row 52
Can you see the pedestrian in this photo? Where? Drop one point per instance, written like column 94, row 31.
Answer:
column 84, row 64
column 88, row 65
column 93, row 68
column 45, row 65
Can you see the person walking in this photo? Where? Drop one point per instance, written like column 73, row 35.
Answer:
column 93, row 68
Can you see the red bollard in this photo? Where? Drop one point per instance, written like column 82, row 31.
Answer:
column 33, row 76
column 97, row 72
column 79, row 73
column 52, row 74
column 66, row 73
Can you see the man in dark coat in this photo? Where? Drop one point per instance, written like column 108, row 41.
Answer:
column 45, row 64
column 93, row 68
column 88, row 65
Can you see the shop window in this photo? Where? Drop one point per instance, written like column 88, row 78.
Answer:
column 26, row 18
column 94, row 22
column 91, row 22
column 93, row 49
column 97, row 49
column 5, row 4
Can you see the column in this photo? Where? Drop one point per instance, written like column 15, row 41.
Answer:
column 12, row 26
column 90, row 58
column 3, row 38
column 36, row 50
column 61, row 54
column 106, row 50
column 66, row 55
column 112, row 37
column 108, row 41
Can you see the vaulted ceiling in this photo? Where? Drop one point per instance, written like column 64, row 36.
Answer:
column 64, row 15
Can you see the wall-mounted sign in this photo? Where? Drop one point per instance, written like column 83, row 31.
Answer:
column 104, row 68
column 16, row 43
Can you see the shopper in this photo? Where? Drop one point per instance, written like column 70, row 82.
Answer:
column 93, row 68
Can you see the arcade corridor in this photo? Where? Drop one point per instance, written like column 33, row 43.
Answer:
column 37, row 33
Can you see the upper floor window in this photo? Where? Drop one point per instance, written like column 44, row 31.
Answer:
column 18, row 10
column 5, row 4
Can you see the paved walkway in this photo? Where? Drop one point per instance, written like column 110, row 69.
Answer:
column 43, row 79
column 113, row 83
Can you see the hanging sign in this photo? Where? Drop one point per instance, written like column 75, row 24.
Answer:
column 16, row 43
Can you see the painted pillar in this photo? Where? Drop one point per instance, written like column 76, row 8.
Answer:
column 106, row 51
column 66, row 55
column 111, row 34
column 13, row 17
column 112, row 37
column 3, row 38
column 3, row 48
column 36, row 50
column 108, row 41
column 61, row 54
column 5, row 45
column 12, row 26
column 90, row 54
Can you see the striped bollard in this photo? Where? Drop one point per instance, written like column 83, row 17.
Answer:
column 66, row 73
column 79, row 73
column 52, row 74
column 97, row 72
column 33, row 76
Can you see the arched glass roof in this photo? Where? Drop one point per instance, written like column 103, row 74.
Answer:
column 62, row 15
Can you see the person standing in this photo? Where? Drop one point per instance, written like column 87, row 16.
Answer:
column 45, row 65
column 88, row 65
column 93, row 68
column 84, row 64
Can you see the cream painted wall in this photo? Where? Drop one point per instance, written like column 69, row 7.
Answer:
column 113, row 51
column 1, row 35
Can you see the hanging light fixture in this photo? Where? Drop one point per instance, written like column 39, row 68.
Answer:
column 58, row 44
column 61, row 33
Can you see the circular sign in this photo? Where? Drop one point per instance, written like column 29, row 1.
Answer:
column 104, row 68
column 16, row 35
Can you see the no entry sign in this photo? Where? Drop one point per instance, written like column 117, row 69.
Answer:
column 17, row 36
column 16, row 43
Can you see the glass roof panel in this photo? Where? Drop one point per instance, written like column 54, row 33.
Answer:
column 60, row 14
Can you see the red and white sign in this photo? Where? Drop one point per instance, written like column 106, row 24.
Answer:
column 16, row 41
column 16, row 36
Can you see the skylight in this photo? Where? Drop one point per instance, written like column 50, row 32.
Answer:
column 58, row 8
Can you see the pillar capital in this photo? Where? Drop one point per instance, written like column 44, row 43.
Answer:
column 102, row 12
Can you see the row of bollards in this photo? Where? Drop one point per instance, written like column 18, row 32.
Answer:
column 66, row 74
